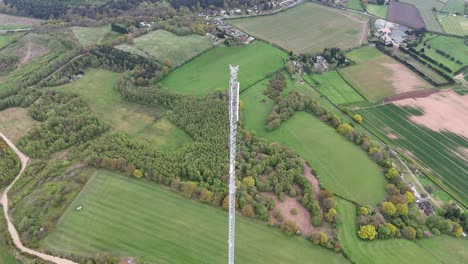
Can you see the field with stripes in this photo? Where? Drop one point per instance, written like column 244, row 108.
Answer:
column 308, row 28
column 128, row 217
column 442, row 153
column 456, row 25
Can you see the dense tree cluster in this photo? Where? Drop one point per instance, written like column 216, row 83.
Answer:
column 9, row 164
column 67, row 121
column 275, row 85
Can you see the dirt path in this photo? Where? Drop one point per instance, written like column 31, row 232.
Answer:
column 11, row 228
column 26, row 58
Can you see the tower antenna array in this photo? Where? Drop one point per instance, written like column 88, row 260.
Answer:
column 233, row 118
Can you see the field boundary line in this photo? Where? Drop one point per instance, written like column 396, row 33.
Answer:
column 354, row 88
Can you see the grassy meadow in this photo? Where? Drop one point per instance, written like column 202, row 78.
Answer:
column 354, row 4
column 335, row 88
column 15, row 122
column 377, row 75
column 446, row 248
column 389, row 251
column 144, row 122
column 433, row 149
column 159, row 226
column 308, row 28
column 91, row 35
column 456, row 25
column 453, row 46
column 210, row 71
column 377, row 10
column 164, row 45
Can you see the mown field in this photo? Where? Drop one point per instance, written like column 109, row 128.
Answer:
column 145, row 122
column 308, row 28
column 90, row 35
column 335, row 88
column 164, row 45
column 210, row 71
column 127, row 217
column 456, row 25
column 377, row 75
column 394, row 250
column 437, row 151
column 425, row 9
column 377, row 10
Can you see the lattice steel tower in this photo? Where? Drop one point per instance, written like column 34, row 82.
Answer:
column 233, row 118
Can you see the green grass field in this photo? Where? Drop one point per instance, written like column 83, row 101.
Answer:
column 145, row 122
column 456, row 25
column 433, row 149
column 7, row 38
column 90, row 35
column 354, row 4
column 378, row 10
column 380, row 251
column 210, row 71
column 454, row 6
column 453, row 46
column 308, row 28
column 425, row 9
column 377, row 75
column 336, row 89
column 341, row 166
column 164, row 45
column 446, row 248
column 439, row 58
column 127, row 217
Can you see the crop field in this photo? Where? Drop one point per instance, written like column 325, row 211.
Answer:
column 378, row 76
column 308, row 28
column 145, row 122
column 378, row 10
column 164, row 45
column 15, row 22
column 336, row 89
column 425, row 9
column 90, row 35
column 354, row 4
column 456, row 47
column 443, row 152
column 456, row 25
column 159, row 226
column 386, row 251
column 454, row 6
column 210, row 71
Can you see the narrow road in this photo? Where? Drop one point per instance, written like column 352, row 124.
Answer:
column 11, row 228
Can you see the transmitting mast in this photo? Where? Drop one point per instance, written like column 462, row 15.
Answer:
column 233, row 118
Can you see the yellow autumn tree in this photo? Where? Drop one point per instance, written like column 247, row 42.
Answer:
column 367, row 232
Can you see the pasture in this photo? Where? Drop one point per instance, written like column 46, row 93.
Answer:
column 15, row 122
column 90, row 35
column 160, row 226
column 377, row 10
column 378, row 76
column 341, row 166
column 144, row 122
column 164, row 45
column 380, row 251
column 456, row 25
column 335, row 88
column 308, row 28
column 210, row 71
column 446, row 248
column 436, row 141
column 456, row 47
column 354, row 4
column 425, row 9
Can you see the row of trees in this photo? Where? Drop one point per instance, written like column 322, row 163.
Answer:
column 9, row 164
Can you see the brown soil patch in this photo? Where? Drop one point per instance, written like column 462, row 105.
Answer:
column 15, row 122
column 412, row 94
column 128, row 260
column 7, row 20
column 444, row 111
column 312, row 179
column 462, row 153
column 402, row 79
column 30, row 51
column 392, row 136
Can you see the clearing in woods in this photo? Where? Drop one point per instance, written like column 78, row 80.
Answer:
column 15, row 122
column 90, row 35
column 210, row 72
column 164, row 45
column 377, row 75
column 394, row 250
column 157, row 225
column 144, row 122
column 430, row 129
column 308, row 28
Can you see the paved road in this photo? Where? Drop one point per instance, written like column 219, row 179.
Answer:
column 11, row 228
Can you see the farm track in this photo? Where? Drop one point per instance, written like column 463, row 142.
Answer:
column 11, row 228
